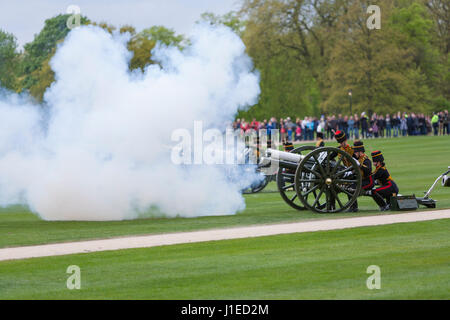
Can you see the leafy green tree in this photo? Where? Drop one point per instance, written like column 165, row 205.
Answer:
column 35, row 71
column 141, row 47
column 329, row 47
column 163, row 35
column 231, row 19
column 9, row 59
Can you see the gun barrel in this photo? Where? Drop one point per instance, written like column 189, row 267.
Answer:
column 284, row 156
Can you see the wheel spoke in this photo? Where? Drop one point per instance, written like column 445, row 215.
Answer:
column 328, row 202
column 312, row 171
column 345, row 191
column 310, row 190
column 345, row 181
column 320, row 165
column 344, row 171
column 337, row 198
column 318, row 197
column 294, row 197
column 337, row 166
column 287, row 174
column 309, row 180
column 328, row 162
column 289, row 186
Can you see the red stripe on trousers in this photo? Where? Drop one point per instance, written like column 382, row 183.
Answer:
column 385, row 187
column 370, row 185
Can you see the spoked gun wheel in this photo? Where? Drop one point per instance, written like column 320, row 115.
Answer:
column 286, row 184
column 324, row 184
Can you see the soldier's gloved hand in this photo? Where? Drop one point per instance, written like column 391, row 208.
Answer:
column 348, row 174
column 368, row 192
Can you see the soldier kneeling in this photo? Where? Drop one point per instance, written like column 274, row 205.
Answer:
column 388, row 188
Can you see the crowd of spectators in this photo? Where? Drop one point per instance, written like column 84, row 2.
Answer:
column 355, row 127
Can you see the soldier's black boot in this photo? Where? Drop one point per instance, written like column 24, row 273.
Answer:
column 379, row 201
column 354, row 207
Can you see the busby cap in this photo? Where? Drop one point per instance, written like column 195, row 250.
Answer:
column 288, row 146
column 377, row 156
column 320, row 135
column 358, row 146
column 340, row 136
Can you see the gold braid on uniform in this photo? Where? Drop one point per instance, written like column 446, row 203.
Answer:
column 350, row 151
column 361, row 162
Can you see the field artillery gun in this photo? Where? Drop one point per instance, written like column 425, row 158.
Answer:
column 324, row 180
column 426, row 200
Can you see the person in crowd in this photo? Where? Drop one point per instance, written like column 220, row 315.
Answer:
column 364, row 125
column 446, row 122
column 327, row 127
column 340, row 123
column 244, row 126
column 435, row 123
column 321, row 125
column 381, row 125
column 415, row 124
column 387, row 186
column 396, row 124
column 345, row 125
column 356, row 126
column 388, row 126
column 403, row 125
column 428, row 124
column 275, row 124
column 254, row 124
column 422, row 125
column 289, row 129
column 441, row 123
column 351, row 127
column 374, row 125
column 410, row 124
column 310, row 130
column 237, row 124
column 282, row 130
column 263, row 125
column 332, row 126
column 298, row 130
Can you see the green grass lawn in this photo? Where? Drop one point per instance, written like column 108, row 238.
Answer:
column 413, row 162
column 413, row 257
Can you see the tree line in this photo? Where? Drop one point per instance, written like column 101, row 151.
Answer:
column 29, row 70
column 310, row 55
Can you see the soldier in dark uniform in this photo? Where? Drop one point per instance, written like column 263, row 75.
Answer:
column 288, row 146
column 344, row 146
column 388, row 188
column 320, row 143
column 365, row 165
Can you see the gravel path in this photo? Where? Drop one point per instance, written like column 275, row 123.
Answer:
column 215, row 234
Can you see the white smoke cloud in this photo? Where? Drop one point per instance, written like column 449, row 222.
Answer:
column 103, row 151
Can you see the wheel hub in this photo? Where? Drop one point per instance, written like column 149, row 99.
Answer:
column 328, row 181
